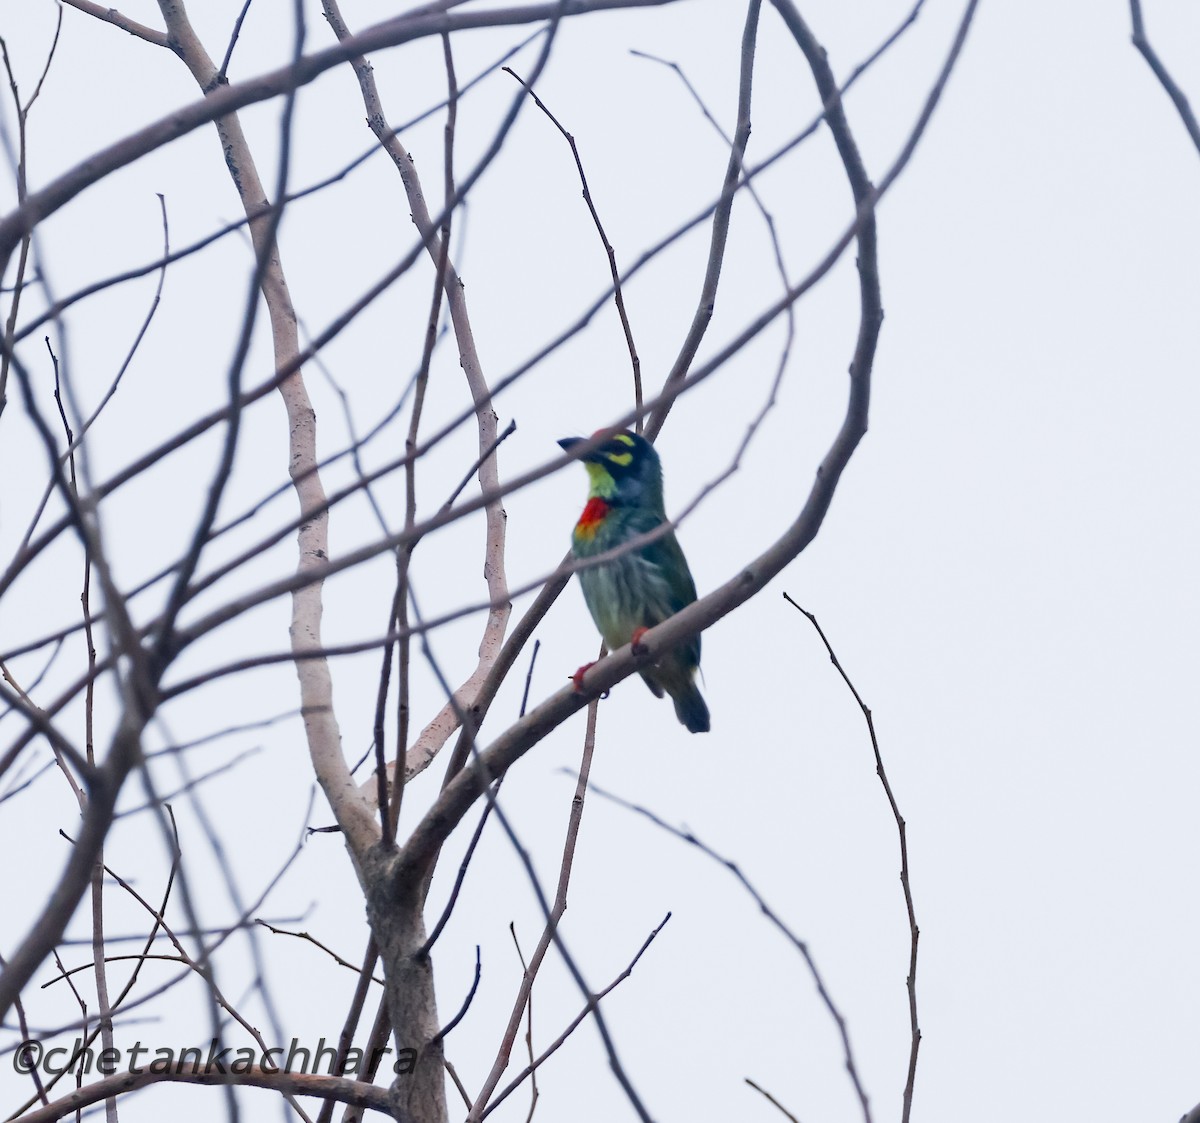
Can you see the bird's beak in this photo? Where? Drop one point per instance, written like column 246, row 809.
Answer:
column 568, row 443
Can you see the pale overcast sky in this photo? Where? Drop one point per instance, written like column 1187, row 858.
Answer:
column 1007, row 570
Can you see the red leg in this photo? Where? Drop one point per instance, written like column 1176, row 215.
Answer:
column 577, row 677
column 635, row 641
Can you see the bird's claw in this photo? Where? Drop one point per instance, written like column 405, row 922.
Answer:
column 577, row 677
column 635, row 642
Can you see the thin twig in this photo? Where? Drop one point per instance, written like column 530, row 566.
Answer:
column 99, row 964
column 575, row 1023
column 1174, row 92
column 553, row 918
column 350, row 1025
column 111, row 15
column 462, row 1013
column 24, row 1057
column 663, row 399
column 140, row 957
column 22, row 189
column 509, row 430
column 610, row 253
column 216, row 417
column 800, row 945
column 435, row 237
column 905, row 877
column 193, row 966
column 456, row 889
column 58, row 307
column 289, row 1084
column 462, row 1088
column 316, row 943
column 408, row 874
column 533, row 1088
column 223, row 69
column 832, row 468
column 772, row 1100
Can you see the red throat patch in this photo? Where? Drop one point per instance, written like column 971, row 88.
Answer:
column 593, row 515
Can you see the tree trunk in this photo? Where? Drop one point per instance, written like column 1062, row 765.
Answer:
column 395, row 912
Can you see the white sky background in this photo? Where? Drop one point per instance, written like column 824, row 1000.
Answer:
column 1007, row 571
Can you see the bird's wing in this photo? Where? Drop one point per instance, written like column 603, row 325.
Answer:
column 667, row 557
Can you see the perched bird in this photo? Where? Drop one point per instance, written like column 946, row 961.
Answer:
column 642, row 587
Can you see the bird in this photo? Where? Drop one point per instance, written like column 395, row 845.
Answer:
column 645, row 585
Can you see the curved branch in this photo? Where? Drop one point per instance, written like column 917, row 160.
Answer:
column 197, row 428
column 719, row 234
column 856, row 173
column 436, row 733
column 353, row 1092
column 228, row 99
column 111, row 15
column 316, row 684
column 461, row 792
column 1174, row 92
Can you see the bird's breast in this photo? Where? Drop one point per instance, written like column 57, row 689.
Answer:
column 594, row 516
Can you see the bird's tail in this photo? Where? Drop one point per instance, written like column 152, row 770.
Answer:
column 690, row 707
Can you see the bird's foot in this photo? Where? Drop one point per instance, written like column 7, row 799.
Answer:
column 577, row 677
column 635, row 642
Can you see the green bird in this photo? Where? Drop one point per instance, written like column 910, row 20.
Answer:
column 644, row 586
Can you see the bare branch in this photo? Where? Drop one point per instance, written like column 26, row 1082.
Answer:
column 802, row 947
column 443, row 725
column 460, row 877
column 668, row 395
column 1174, row 92
column 555, row 915
column 905, row 882
column 719, row 235
column 462, row 1013
column 61, row 305
column 576, row 1022
column 316, row 688
column 316, row 943
column 346, row 1037
column 772, row 1100
column 22, row 111
column 111, row 15
column 229, row 99
column 223, row 70
column 337, row 1088
column 610, row 253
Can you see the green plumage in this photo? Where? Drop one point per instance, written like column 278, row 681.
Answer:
column 644, row 586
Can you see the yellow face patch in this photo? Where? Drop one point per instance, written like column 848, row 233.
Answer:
column 622, row 458
column 624, row 438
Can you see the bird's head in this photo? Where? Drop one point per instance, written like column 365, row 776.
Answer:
column 624, row 469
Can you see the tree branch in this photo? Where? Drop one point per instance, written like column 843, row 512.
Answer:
column 337, row 1088
column 461, row 791
column 1174, row 92
column 228, row 99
